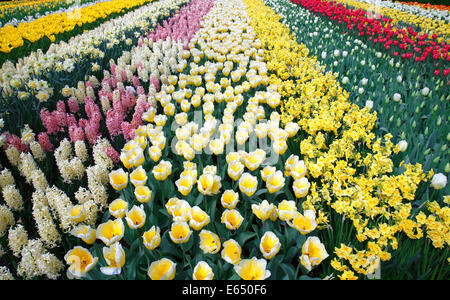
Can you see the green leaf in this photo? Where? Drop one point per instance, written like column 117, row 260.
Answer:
column 245, row 236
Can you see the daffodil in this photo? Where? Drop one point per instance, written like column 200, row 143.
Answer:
column 252, row 269
column 163, row 269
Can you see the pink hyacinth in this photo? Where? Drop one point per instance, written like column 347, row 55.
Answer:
column 15, row 141
column 50, row 123
column 155, row 82
column 73, row 105
column 76, row 134
column 44, row 141
column 113, row 154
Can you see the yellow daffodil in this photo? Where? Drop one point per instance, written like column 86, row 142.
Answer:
column 152, row 238
column 269, row 245
column 163, row 269
column 202, row 271
column 209, row 242
column 252, row 269
column 80, row 261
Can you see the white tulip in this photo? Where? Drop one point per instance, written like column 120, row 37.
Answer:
column 439, row 181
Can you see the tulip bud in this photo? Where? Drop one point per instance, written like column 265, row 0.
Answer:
column 439, row 181
column 403, row 145
column 425, row 91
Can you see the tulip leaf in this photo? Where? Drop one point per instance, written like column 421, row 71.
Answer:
column 306, row 277
column 244, row 237
column 288, row 270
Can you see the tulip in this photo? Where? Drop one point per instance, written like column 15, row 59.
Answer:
column 138, row 177
column 118, row 208
column 209, row 242
column 163, row 269
column 397, row 97
column 85, row 233
column 135, row 217
column 301, row 187
column 185, row 184
column 118, row 179
column 232, row 219
column 313, row 253
column 115, row 258
column 198, row 218
column 111, row 231
column 286, row 210
column 229, row 199
column 304, row 223
column 202, row 271
column 264, row 211
column 439, row 181
column 180, row 210
column 252, row 269
column 275, row 182
column 231, row 252
column 143, row 194
column 80, row 261
column 152, row 238
column 403, row 145
column 269, row 245
column 235, row 170
column 162, row 170
column 180, row 232
column 248, row 184
column 77, row 213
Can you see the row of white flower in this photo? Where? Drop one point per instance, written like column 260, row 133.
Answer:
column 63, row 56
column 39, row 14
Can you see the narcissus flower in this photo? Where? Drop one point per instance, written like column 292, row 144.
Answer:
column 111, row 231
column 77, row 213
column 275, row 182
column 232, row 219
column 135, row 217
column 269, row 245
column 209, row 242
column 163, row 269
column 185, row 184
column 118, row 208
column 304, row 223
column 202, row 271
column 313, row 253
column 85, row 233
column 229, row 199
column 264, row 211
column 115, row 258
column 252, row 269
column 231, row 252
column 138, row 177
column 199, row 218
column 301, row 187
column 180, row 232
column 118, row 179
column 152, row 238
column 80, row 261
column 143, row 194
column 286, row 210
column 162, row 170
column 248, row 184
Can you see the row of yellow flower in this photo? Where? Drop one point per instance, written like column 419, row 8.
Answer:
column 320, row 106
column 429, row 25
column 13, row 37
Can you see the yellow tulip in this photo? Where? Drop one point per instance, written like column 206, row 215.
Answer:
column 138, row 177
column 252, row 269
column 118, row 208
column 143, row 194
column 232, row 219
column 301, row 187
column 198, row 218
column 264, row 211
column 180, row 232
column 313, row 253
column 231, row 252
column 229, row 199
column 80, row 261
column 135, row 217
column 304, row 223
column 152, row 238
column 85, row 233
column 248, row 184
column 111, row 231
column 115, row 258
column 275, row 182
column 118, row 179
column 209, row 242
column 163, row 269
column 202, row 271
column 270, row 245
